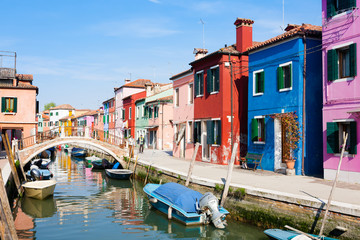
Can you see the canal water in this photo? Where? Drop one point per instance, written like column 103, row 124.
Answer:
column 88, row 205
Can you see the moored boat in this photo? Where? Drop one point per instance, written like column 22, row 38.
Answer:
column 42, row 163
column 39, row 189
column 39, row 174
column 121, row 174
column 280, row 234
column 78, row 152
column 186, row 205
column 97, row 164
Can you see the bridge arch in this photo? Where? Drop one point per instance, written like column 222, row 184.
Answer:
column 29, row 153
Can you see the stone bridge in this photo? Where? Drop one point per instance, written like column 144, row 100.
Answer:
column 26, row 154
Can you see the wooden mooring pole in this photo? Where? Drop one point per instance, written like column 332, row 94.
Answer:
column 147, row 174
column 8, row 222
column 192, row 163
column 229, row 174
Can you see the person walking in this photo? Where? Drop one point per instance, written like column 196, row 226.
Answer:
column 131, row 146
column 141, row 141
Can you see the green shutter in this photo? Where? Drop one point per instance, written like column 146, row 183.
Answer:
column 195, row 133
column 352, row 3
column 218, row 139
column 104, row 119
column 332, row 65
column 353, row 138
column 257, row 78
column 196, row 87
column 260, row 82
column 291, row 75
column 254, row 129
column 210, row 132
column 353, row 60
column 332, row 137
column 280, row 78
column 3, row 104
column 15, row 105
column 217, row 79
column 108, row 118
column 201, row 90
column 208, row 81
column 330, row 8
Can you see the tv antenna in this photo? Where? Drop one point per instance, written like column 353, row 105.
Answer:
column 203, row 34
column 283, row 15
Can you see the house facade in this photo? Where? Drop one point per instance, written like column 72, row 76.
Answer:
column 220, row 99
column 183, row 119
column 286, row 68
column 141, row 121
column 159, row 109
column 341, row 82
column 130, row 114
column 18, row 105
column 109, row 119
column 59, row 112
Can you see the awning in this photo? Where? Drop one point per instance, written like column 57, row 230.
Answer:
column 354, row 111
column 150, row 127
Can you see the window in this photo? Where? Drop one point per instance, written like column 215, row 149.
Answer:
column 129, row 112
column 334, row 136
column 191, row 93
column 258, row 82
column 150, row 112
column 70, row 113
column 123, row 113
column 57, row 113
column 40, row 124
column 9, row 104
column 212, row 80
column 197, row 132
column 146, row 111
column 335, row 7
column 190, row 133
column 341, row 62
column 137, row 112
column 51, row 114
column 176, row 97
column 156, row 111
column 199, row 83
column 258, row 129
column 284, row 73
column 213, row 129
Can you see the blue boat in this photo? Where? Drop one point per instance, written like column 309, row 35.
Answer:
column 291, row 235
column 186, row 205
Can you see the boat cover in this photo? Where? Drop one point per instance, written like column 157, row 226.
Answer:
column 179, row 195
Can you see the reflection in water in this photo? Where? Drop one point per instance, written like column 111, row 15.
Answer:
column 88, row 204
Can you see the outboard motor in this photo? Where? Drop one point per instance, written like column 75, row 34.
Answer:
column 35, row 174
column 210, row 204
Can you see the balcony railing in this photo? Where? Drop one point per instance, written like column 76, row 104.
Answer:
column 7, row 65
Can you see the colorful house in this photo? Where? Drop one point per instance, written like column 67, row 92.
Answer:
column 220, row 98
column 341, row 88
column 286, row 68
column 159, row 109
column 60, row 112
column 109, row 119
column 183, row 119
column 141, row 121
column 18, row 104
column 129, row 88
column 130, row 113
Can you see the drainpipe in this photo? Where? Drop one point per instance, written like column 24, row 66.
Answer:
column 162, row 126
column 231, row 102
column 303, row 109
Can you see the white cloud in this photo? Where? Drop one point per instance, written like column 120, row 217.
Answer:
column 155, row 1
column 141, row 28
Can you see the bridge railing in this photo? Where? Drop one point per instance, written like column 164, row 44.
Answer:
column 79, row 131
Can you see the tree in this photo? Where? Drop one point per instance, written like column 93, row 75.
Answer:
column 49, row 105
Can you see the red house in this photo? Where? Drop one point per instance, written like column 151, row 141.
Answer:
column 221, row 85
column 129, row 113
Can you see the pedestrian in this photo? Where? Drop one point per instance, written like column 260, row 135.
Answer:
column 141, row 141
column 131, row 146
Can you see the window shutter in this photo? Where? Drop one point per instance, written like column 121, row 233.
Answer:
column 353, row 138
column 210, row 132
column 280, row 77
column 208, row 81
column 257, row 79
column 218, row 138
column 330, row 8
column 353, row 60
column 104, row 119
column 254, row 129
column 217, row 79
column 332, row 137
column 3, row 104
column 201, row 90
column 332, row 62
column 195, row 133
column 291, row 75
column 196, row 87
column 262, row 82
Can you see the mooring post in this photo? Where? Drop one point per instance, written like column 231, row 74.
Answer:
column 192, row 163
column 229, row 174
column 147, row 174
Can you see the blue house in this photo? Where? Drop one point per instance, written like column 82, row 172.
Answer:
column 285, row 76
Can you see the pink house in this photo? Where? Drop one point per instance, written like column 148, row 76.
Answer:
column 183, row 103
column 341, row 88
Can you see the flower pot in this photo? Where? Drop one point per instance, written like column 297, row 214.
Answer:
column 290, row 164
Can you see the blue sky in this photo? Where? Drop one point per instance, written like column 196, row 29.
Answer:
column 79, row 50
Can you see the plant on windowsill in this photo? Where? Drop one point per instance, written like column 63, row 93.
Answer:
column 291, row 126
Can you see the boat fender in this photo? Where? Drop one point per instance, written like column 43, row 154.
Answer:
column 153, row 200
column 169, row 213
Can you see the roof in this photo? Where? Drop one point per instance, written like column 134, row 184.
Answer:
column 291, row 31
column 108, row 100
column 63, row 106
column 45, row 117
column 139, row 83
column 19, row 86
column 186, row 72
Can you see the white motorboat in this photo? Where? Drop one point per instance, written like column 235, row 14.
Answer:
column 39, row 189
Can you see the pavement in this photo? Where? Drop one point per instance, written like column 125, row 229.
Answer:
column 303, row 190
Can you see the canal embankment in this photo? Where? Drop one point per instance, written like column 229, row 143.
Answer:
column 264, row 198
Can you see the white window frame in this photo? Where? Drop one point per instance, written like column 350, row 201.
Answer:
column 254, row 83
column 190, row 131
column 257, row 118
column 129, row 112
column 336, row 47
column 177, row 97
column 199, row 72
column 292, row 82
column 191, row 94
column 213, row 79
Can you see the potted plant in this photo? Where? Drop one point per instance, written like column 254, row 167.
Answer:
column 290, row 124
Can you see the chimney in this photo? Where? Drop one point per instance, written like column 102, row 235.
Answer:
column 200, row 53
column 243, row 34
column 127, row 80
